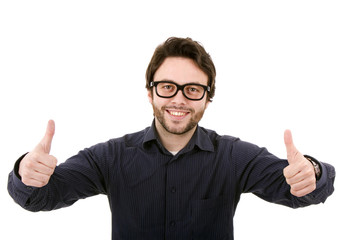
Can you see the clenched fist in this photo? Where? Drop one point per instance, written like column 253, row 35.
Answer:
column 38, row 165
column 300, row 174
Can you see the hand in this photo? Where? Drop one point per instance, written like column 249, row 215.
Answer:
column 300, row 173
column 37, row 166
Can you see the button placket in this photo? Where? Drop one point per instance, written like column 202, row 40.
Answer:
column 172, row 203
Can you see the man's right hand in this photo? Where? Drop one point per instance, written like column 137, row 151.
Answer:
column 38, row 165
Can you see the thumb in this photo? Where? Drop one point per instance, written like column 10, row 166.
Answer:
column 292, row 152
column 45, row 144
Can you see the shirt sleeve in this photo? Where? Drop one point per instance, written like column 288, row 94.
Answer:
column 261, row 173
column 81, row 176
column 16, row 188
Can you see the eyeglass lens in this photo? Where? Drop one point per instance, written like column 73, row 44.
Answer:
column 191, row 91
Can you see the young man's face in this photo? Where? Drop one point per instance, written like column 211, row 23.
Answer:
column 178, row 115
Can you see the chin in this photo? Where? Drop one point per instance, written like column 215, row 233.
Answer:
column 178, row 130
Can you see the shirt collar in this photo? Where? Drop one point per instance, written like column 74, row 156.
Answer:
column 200, row 138
column 150, row 134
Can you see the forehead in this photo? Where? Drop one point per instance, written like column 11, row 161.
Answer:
column 180, row 70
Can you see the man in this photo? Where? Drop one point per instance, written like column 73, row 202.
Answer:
column 175, row 179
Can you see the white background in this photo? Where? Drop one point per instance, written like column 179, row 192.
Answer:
column 280, row 65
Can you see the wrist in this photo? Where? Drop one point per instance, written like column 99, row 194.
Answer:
column 16, row 166
column 316, row 166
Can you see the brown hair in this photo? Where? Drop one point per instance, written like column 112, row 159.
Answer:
column 183, row 47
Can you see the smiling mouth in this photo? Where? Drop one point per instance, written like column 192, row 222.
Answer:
column 174, row 113
column 177, row 114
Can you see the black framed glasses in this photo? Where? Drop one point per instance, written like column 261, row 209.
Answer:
column 168, row 89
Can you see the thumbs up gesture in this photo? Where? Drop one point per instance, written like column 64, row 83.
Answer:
column 300, row 173
column 37, row 166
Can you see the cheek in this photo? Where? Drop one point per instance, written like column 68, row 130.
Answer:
column 200, row 107
column 160, row 102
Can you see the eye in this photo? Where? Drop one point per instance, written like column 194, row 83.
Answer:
column 193, row 89
column 167, row 87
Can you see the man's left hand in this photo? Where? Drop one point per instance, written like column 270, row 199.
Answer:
column 300, row 174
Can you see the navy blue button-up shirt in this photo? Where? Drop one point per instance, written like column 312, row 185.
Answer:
column 156, row 195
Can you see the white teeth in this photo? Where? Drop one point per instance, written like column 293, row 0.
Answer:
column 177, row 113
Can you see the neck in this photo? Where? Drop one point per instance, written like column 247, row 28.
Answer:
column 173, row 142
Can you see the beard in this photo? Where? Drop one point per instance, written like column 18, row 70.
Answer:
column 178, row 130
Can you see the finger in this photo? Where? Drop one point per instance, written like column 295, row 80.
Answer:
column 30, row 175
column 292, row 152
column 45, row 144
column 34, row 182
column 297, row 172
column 294, row 172
column 304, row 191
column 48, row 161
column 43, row 169
column 298, row 186
column 288, row 141
column 290, row 171
column 30, row 167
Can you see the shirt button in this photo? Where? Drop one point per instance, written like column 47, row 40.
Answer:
column 173, row 189
column 172, row 223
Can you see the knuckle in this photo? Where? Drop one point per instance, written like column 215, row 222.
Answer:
column 305, row 163
column 51, row 161
column 286, row 172
column 297, row 193
column 25, row 174
column 313, row 187
column 289, row 181
column 310, row 171
column 292, row 191
column 46, row 179
column 50, row 172
column 43, row 178
column 34, row 155
column 29, row 164
column 25, row 180
column 54, row 161
column 296, row 188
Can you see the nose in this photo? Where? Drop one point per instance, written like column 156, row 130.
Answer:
column 179, row 98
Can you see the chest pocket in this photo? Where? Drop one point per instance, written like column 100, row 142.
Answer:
column 212, row 219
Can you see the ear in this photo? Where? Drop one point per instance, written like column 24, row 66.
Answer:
column 150, row 96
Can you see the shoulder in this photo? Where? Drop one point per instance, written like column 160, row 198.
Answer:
column 230, row 143
column 217, row 138
column 130, row 140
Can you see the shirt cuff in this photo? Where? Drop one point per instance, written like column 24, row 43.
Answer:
column 326, row 174
column 17, row 189
column 16, row 166
column 323, row 179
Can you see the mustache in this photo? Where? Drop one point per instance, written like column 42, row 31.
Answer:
column 177, row 108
